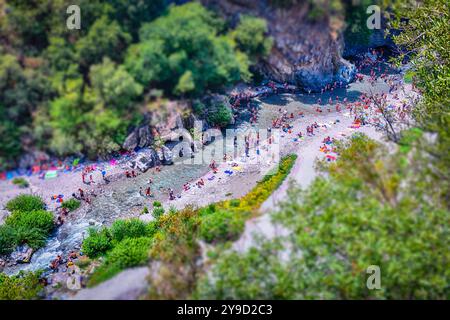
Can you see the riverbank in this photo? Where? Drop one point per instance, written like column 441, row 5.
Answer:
column 121, row 198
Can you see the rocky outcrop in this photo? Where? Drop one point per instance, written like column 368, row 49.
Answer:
column 139, row 138
column 22, row 254
column 305, row 53
column 29, row 159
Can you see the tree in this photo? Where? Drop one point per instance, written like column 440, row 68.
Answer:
column 424, row 41
column 113, row 85
column 372, row 209
column 250, row 36
column 175, row 255
column 183, row 50
column 131, row 14
column 105, row 38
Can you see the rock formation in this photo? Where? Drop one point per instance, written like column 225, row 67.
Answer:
column 305, row 53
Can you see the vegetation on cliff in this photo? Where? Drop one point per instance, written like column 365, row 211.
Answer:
column 80, row 91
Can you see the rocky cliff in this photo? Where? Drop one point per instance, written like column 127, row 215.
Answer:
column 305, row 53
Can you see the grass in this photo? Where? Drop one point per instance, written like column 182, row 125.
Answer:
column 21, row 182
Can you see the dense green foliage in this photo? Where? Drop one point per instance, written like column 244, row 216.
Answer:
column 361, row 215
column 133, row 228
column 224, row 221
column 25, row 202
column 221, row 226
column 184, row 53
column 97, row 243
column 425, row 41
column 81, row 91
column 125, row 244
column 28, row 224
column 71, row 204
column 24, row 286
column 130, row 252
column 21, row 182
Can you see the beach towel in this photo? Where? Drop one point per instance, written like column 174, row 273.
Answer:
column 51, row 174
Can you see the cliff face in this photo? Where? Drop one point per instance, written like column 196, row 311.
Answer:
column 305, row 53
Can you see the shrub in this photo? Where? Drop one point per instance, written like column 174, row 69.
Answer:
column 250, row 37
column 97, row 243
column 235, row 202
column 24, row 286
column 157, row 204
column 157, row 212
column 221, row 116
column 71, row 204
column 221, row 226
column 25, row 202
column 38, row 219
column 7, row 239
column 133, row 228
column 128, row 253
column 21, row 182
column 151, row 228
column 32, row 237
column 31, row 228
column 224, row 221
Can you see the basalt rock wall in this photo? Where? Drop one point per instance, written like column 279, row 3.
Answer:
column 305, row 53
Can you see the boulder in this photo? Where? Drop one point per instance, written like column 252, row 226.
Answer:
column 140, row 137
column 29, row 159
column 167, row 156
column 22, row 254
column 131, row 142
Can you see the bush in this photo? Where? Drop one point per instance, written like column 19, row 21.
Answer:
column 224, row 221
column 71, row 204
column 151, row 228
column 186, row 52
column 24, row 286
column 21, row 227
column 21, row 182
column 221, row 116
column 97, row 243
column 25, row 202
column 250, row 36
column 38, row 219
column 157, row 204
column 133, row 228
column 32, row 237
column 7, row 239
column 221, row 226
column 128, row 253
column 157, row 212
